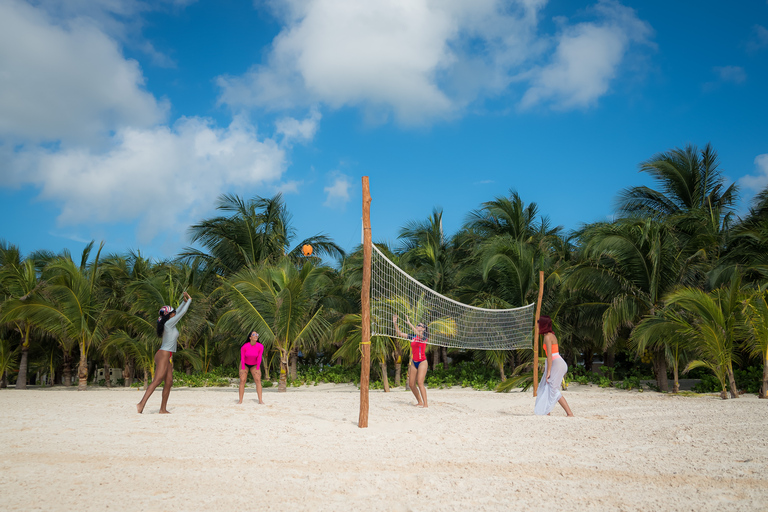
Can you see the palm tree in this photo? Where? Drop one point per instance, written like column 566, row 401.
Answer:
column 74, row 308
column 665, row 331
column 630, row 265
column 281, row 302
column 252, row 232
column 8, row 360
column 693, row 199
column 429, row 256
column 756, row 314
column 20, row 282
column 715, row 327
column 349, row 334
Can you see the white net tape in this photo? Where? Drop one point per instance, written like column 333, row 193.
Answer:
column 449, row 323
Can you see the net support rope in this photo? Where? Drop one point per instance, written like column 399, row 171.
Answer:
column 449, row 323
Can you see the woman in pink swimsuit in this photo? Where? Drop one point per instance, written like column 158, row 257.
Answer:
column 250, row 359
column 417, row 371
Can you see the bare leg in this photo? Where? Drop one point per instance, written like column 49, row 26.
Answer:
column 421, row 374
column 243, row 380
column 167, row 388
column 412, row 371
column 162, row 358
column 257, row 377
column 564, row 404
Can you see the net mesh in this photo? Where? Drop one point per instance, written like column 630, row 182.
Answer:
column 449, row 323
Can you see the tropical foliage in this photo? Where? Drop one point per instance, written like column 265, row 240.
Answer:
column 675, row 284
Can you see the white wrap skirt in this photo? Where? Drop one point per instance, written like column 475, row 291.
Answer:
column 548, row 392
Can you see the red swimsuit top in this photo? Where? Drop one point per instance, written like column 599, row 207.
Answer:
column 418, row 348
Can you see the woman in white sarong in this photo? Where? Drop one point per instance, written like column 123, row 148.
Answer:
column 548, row 393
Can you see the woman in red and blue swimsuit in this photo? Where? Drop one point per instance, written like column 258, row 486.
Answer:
column 250, row 359
column 417, row 371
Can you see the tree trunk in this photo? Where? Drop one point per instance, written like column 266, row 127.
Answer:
column 660, row 369
column 764, row 388
column 501, row 372
column 107, row 379
column 384, row 376
column 266, row 367
column 66, row 370
column 21, row 380
column 146, row 379
column 82, row 374
column 610, row 357
column 282, row 385
column 444, row 356
column 435, row 358
column 4, row 380
column 676, row 383
column 732, row 383
column 399, row 370
column 294, row 362
column 588, row 361
column 128, row 373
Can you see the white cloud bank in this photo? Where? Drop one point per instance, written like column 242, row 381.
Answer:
column 758, row 181
column 77, row 124
column 156, row 175
column 427, row 59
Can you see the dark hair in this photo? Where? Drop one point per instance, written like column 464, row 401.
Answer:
column 161, row 323
column 248, row 337
column 545, row 324
column 425, row 334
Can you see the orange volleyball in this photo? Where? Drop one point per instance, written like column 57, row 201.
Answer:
column 306, row 249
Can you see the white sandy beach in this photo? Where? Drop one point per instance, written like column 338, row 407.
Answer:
column 67, row 450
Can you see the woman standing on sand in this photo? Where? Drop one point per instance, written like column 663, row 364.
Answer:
column 166, row 329
column 250, row 359
column 548, row 392
column 417, row 371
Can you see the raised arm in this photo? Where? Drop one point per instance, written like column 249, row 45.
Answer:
column 397, row 329
column 180, row 312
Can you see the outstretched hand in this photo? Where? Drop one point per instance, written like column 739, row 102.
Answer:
column 186, row 296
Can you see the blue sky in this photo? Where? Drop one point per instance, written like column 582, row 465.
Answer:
column 124, row 120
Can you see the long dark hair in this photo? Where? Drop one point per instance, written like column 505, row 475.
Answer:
column 161, row 322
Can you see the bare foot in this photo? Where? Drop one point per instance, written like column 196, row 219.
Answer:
column 240, row 402
column 139, row 408
column 570, row 415
column 418, row 405
column 261, row 403
column 163, row 411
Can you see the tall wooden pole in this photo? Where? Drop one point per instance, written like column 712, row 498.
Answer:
column 536, row 335
column 365, row 299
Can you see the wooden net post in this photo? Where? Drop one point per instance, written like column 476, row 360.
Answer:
column 536, row 335
column 365, row 299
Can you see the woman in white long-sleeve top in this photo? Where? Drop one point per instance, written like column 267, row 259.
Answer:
column 548, row 393
column 166, row 328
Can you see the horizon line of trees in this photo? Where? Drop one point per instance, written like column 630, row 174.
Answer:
column 676, row 279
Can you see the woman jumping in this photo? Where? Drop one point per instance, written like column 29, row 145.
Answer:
column 417, row 371
column 250, row 359
column 548, row 392
column 166, row 329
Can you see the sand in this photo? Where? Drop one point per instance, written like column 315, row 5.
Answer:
column 61, row 449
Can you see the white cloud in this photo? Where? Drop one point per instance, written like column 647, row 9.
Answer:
column 292, row 129
column 423, row 60
column 66, row 81
column 734, row 74
column 759, row 39
column 587, row 59
column 164, row 176
column 338, row 192
column 758, row 181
